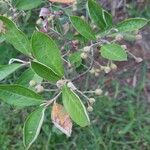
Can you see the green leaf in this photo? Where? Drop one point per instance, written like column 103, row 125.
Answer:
column 27, row 76
column 33, row 126
column 46, row 51
column 113, row 52
column 76, row 59
column 16, row 37
column 6, row 70
column 45, row 72
column 108, row 18
column 96, row 13
column 75, row 107
column 131, row 24
column 82, row 27
column 27, row 4
column 19, row 96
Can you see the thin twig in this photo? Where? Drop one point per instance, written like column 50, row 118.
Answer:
column 91, row 65
column 52, row 100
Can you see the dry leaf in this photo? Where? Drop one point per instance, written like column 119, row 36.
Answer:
column 63, row 1
column 61, row 119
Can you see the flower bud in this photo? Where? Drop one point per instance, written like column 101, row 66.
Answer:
column 102, row 68
column 32, row 83
column 39, row 21
column 97, row 70
column 71, row 86
column 113, row 66
column 82, row 17
column 87, row 49
column 92, row 100
column 60, row 83
column 124, row 46
column 90, row 108
column 138, row 37
column 84, row 55
column 92, row 71
column 119, row 37
column 96, row 74
column 138, row 59
column 39, row 88
column 15, row 14
column 98, row 92
column 107, row 69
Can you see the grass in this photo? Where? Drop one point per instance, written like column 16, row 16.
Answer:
column 119, row 122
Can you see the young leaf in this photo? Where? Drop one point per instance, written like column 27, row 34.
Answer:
column 75, row 107
column 19, row 96
column 33, row 126
column 16, row 37
column 27, row 76
column 61, row 119
column 45, row 72
column 76, row 59
column 131, row 24
column 96, row 14
column 46, row 51
column 27, row 4
column 82, row 27
column 113, row 52
column 8, row 69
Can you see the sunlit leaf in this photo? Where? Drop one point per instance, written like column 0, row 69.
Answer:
column 75, row 107
column 16, row 37
column 19, row 96
column 131, row 24
column 113, row 52
column 96, row 13
column 82, row 27
column 46, row 51
column 45, row 72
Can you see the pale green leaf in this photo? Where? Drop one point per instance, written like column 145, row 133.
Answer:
column 6, row 70
column 131, row 24
column 33, row 126
column 19, row 96
column 113, row 52
column 96, row 13
column 27, row 4
column 76, row 59
column 75, row 107
column 16, row 37
column 46, row 51
column 45, row 72
column 82, row 27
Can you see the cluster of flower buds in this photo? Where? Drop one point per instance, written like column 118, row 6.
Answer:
column 85, row 53
column 92, row 100
column 38, row 87
column 107, row 69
